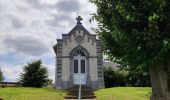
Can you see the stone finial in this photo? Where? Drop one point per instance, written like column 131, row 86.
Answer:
column 79, row 19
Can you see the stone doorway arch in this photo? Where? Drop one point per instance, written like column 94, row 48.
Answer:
column 79, row 50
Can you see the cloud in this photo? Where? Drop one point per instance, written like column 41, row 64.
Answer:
column 60, row 21
column 51, row 71
column 68, row 6
column 42, row 4
column 35, row 3
column 29, row 29
column 17, row 22
column 11, row 72
column 26, row 44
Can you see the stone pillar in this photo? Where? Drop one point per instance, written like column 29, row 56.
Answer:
column 88, row 72
column 70, row 84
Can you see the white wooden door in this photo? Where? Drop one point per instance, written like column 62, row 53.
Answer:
column 79, row 70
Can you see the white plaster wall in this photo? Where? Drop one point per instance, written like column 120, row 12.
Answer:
column 93, row 69
column 65, row 69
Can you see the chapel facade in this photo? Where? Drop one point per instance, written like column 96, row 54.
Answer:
column 78, row 59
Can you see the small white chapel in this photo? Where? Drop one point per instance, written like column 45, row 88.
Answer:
column 78, row 59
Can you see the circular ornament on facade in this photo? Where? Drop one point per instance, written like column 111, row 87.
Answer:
column 79, row 39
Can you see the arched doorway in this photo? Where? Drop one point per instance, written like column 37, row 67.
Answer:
column 80, row 66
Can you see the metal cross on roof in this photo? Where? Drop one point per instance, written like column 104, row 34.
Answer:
column 79, row 19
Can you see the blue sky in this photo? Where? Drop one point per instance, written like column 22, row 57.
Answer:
column 29, row 29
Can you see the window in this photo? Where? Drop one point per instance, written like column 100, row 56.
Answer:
column 79, row 52
column 59, row 50
column 82, row 66
column 75, row 66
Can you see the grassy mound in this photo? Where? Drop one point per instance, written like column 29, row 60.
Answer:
column 124, row 93
column 117, row 93
column 31, row 94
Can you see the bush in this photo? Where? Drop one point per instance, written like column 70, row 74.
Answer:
column 113, row 78
column 109, row 77
column 34, row 75
column 141, row 79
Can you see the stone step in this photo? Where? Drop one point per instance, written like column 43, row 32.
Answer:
column 72, row 93
column 78, row 88
column 86, row 93
column 82, row 97
column 83, row 91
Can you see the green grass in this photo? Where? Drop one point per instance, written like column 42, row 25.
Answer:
column 120, row 93
column 123, row 93
column 31, row 94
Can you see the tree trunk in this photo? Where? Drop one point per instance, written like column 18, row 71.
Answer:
column 159, row 80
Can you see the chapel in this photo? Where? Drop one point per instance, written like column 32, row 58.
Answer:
column 78, row 59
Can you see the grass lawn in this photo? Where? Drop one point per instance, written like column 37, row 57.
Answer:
column 120, row 93
column 124, row 93
column 31, row 94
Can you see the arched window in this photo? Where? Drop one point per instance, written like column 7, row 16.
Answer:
column 79, row 52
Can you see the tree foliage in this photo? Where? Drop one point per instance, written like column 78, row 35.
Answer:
column 1, row 76
column 141, row 79
column 134, row 32
column 113, row 78
column 34, row 75
column 121, row 77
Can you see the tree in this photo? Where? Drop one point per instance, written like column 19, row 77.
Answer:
column 138, row 76
column 136, row 33
column 113, row 78
column 109, row 77
column 139, row 79
column 34, row 75
column 1, row 76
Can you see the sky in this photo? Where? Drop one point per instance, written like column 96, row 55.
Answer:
column 29, row 29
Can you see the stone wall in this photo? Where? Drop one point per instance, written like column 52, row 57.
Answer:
column 71, row 43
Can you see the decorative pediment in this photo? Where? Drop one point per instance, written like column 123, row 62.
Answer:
column 79, row 27
column 79, row 32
